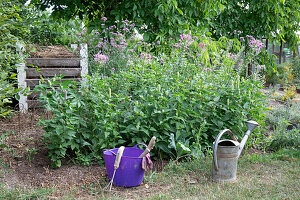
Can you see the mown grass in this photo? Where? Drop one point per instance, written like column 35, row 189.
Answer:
column 268, row 176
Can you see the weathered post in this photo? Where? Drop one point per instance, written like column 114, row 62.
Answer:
column 84, row 61
column 23, row 106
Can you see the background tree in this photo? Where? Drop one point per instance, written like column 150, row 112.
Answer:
column 164, row 17
column 271, row 19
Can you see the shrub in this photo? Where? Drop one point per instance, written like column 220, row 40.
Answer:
column 282, row 138
column 9, row 21
column 281, row 113
column 184, row 97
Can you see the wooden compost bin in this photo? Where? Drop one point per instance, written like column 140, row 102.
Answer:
column 31, row 70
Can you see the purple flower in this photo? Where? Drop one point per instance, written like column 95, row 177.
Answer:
column 242, row 39
column 230, row 55
column 100, row 58
column 104, row 19
column 113, row 70
column 201, row 45
column 161, row 61
column 142, row 55
column 158, row 42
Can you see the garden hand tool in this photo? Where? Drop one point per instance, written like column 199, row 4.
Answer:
column 116, row 166
column 146, row 162
column 149, row 147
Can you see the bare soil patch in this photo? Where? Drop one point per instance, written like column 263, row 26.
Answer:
column 24, row 163
column 51, row 52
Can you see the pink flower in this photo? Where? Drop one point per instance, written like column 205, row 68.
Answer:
column 100, row 58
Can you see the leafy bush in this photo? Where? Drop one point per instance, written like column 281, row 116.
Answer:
column 289, row 114
column 183, row 95
column 6, row 93
column 283, row 138
column 282, row 122
column 9, row 22
column 184, row 107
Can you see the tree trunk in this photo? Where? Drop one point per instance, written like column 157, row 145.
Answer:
column 267, row 42
column 280, row 52
column 284, row 54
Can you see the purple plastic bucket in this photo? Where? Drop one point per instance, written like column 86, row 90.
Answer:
column 130, row 172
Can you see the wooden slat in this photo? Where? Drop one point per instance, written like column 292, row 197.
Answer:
column 34, row 82
column 51, row 72
column 53, row 62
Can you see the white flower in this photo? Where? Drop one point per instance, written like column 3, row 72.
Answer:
column 138, row 36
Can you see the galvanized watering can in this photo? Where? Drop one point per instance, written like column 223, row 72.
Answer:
column 226, row 154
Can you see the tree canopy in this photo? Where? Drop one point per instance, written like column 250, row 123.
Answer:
column 164, row 17
column 272, row 19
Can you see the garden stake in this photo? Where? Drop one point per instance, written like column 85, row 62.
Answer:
column 116, row 166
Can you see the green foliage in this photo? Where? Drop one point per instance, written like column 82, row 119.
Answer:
column 296, row 70
column 174, row 97
column 6, row 93
column 260, row 19
column 270, row 70
column 283, row 138
column 278, row 114
column 9, row 22
column 162, row 18
column 283, row 121
column 44, row 30
column 24, row 193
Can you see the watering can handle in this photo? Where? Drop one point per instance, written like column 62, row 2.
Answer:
column 215, row 146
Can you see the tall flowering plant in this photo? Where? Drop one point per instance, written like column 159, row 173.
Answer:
column 113, row 48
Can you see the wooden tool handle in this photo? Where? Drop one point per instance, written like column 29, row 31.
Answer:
column 149, row 147
column 151, row 143
column 118, row 157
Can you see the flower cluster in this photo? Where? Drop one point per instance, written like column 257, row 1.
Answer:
column 255, row 44
column 100, row 58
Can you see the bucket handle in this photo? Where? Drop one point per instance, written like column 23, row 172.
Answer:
column 215, row 146
column 110, row 151
column 136, row 146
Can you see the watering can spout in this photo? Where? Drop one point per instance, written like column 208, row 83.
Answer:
column 251, row 126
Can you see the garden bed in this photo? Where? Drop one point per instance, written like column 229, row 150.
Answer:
column 25, row 173
column 24, row 161
column 24, row 164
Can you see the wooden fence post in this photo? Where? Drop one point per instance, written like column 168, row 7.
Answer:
column 23, row 106
column 84, row 61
